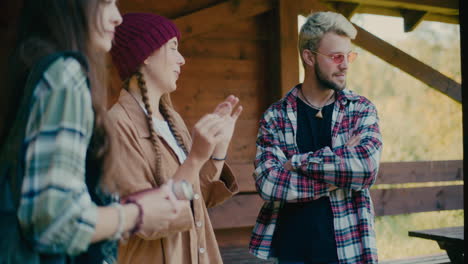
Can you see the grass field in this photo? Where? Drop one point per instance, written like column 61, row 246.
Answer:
column 393, row 241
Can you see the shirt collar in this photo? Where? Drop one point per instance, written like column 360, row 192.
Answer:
column 342, row 97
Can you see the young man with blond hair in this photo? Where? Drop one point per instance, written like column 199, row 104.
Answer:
column 318, row 153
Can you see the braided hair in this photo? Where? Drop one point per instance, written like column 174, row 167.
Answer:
column 166, row 109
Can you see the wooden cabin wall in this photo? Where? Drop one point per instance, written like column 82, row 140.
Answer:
column 231, row 60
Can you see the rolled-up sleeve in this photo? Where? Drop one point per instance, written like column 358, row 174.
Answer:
column 56, row 211
column 216, row 191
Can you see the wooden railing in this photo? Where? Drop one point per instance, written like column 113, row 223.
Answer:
column 241, row 211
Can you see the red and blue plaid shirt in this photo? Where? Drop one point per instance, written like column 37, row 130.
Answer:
column 352, row 169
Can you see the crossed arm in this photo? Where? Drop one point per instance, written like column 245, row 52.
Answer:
column 308, row 176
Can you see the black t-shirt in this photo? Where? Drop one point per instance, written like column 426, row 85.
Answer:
column 304, row 231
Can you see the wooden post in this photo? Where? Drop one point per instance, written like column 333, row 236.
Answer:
column 464, row 71
column 288, row 33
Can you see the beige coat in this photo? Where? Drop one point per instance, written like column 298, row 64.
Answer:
column 189, row 239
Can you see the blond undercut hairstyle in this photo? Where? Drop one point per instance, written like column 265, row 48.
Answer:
column 318, row 24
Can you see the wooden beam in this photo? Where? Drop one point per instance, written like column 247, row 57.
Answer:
column 346, row 9
column 239, row 211
column 412, row 18
column 408, row 64
column 375, row 10
column 289, row 57
column 211, row 18
column 447, row 7
column 396, row 57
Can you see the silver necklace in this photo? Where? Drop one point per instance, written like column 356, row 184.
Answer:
column 319, row 113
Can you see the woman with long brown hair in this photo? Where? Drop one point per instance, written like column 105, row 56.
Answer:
column 156, row 145
column 63, row 207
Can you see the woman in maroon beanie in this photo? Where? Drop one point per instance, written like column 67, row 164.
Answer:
column 156, row 145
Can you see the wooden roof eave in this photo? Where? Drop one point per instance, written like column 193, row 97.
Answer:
column 395, row 56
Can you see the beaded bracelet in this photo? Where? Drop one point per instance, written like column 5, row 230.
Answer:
column 218, row 159
column 118, row 233
column 139, row 220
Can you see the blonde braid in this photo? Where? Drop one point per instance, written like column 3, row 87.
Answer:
column 153, row 136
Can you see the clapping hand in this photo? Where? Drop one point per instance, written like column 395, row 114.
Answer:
column 229, row 113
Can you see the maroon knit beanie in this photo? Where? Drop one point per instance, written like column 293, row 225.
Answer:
column 139, row 35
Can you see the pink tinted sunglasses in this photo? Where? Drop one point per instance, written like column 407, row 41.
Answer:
column 338, row 58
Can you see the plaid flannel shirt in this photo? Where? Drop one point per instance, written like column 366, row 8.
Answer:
column 56, row 211
column 352, row 169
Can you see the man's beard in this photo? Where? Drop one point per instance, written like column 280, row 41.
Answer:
column 326, row 82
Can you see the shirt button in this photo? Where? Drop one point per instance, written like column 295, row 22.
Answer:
column 202, row 250
column 199, row 223
column 196, row 196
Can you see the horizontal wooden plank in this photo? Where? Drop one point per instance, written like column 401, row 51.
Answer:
column 420, row 171
column 413, row 200
column 390, row 173
column 233, row 237
column 247, row 29
column 223, row 49
column 225, row 69
column 242, row 209
column 239, row 211
column 241, row 255
column 195, row 100
column 244, row 174
column 170, row 9
column 213, row 17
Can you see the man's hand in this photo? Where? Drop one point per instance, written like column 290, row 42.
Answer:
column 353, row 141
column 332, row 187
column 288, row 166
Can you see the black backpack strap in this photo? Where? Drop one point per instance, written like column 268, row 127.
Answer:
column 11, row 155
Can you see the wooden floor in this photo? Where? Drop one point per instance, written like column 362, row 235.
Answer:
column 236, row 255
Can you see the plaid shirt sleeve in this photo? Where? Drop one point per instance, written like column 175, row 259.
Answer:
column 56, row 211
column 273, row 181
column 343, row 166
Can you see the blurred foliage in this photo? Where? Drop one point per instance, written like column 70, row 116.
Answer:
column 417, row 122
column 393, row 241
